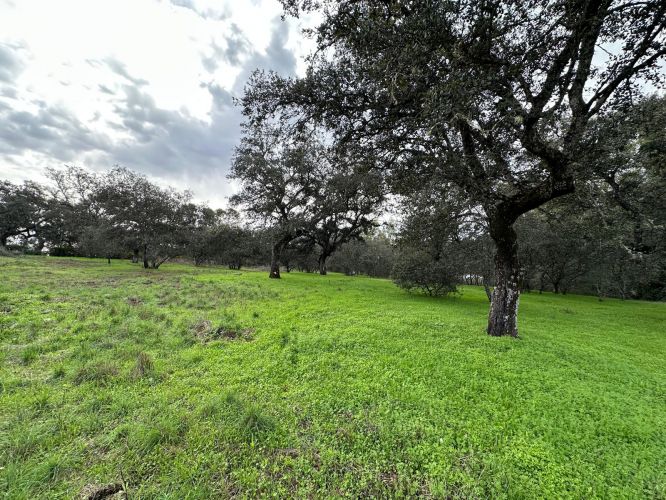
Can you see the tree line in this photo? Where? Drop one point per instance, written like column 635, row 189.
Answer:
column 122, row 214
column 513, row 139
column 298, row 209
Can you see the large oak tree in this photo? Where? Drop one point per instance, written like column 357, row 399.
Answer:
column 494, row 97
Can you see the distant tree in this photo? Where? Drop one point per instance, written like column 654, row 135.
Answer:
column 417, row 270
column 23, row 210
column 346, row 204
column 560, row 249
column 74, row 211
column 476, row 252
column 101, row 241
column 497, row 98
column 154, row 220
column 224, row 244
column 278, row 175
column 372, row 256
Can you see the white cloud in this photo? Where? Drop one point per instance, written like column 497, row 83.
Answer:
column 143, row 83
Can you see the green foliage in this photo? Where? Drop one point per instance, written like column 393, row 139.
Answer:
column 349, row 387
column 417, row 270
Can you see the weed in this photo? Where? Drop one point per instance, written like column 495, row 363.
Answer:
column 168, row 430
column 29, row 355
column 253, row 422
column 58, row 372
column 143, row 366
column 100, row 373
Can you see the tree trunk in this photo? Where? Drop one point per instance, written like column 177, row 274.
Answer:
column 275, row 262
column 486, row 288
column 135, row 256
column 145, row 256
column 322, row 264
column 502, row 319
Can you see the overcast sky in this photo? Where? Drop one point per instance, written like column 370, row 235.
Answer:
column 147, row 84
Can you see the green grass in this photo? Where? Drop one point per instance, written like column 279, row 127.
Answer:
column 200, row 383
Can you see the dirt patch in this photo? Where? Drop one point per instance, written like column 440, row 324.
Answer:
column 201, row 330
column 204, row 331
column 288, row 452
column 134, row 301
column 97, row 492
column 223, row 332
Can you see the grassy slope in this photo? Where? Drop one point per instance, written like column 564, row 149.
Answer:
column 349, row 386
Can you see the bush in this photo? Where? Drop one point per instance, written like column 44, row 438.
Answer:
column 417, row 270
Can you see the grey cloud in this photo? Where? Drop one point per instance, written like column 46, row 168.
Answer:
column 237, row 45
column 8, row 92
column 11, row 64
column 119, row 68
column 105, row 89
column 218, row 15
column 211, row 63
column 169, row 144
column 222, row 98
column 51, row 130
column 277, row 58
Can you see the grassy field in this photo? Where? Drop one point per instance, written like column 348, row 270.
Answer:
column 199, row 383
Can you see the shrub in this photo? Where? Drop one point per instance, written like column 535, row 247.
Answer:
column 417, row 270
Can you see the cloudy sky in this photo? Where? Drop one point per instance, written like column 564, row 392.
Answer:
column 147, row 84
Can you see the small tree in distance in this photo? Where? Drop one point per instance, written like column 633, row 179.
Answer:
column 417, row 270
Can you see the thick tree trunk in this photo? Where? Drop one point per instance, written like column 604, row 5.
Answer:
column 322, row 265
column 135, row 256
column 503, row 316
column 145, row 256
column 275, row 262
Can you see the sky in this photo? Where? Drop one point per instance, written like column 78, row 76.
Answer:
column 146, row 84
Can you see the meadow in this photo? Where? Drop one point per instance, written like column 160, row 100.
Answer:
column 193, row 382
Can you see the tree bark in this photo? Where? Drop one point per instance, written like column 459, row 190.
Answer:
column 502, row 319
column 322, row 264
column 145, row 256
column 275, row 262
column 135, row 256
